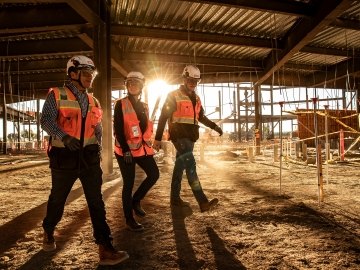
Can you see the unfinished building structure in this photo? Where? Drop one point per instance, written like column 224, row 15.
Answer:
column 294, row 43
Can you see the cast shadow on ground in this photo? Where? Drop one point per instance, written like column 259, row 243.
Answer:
column 286, row 211
column 16, row 229
column 223, row 258
column 43, row 259
column 136, row 243
column 186, row 255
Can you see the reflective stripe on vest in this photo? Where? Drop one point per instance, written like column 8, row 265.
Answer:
column 69, row 116
column 139, row 143
column 185, row 110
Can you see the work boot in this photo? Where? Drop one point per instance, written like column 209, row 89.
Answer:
column 133, row 225
column 49, row 241
column 206, row 206
column 179, row 202
column 138, row 210
column 109, row 256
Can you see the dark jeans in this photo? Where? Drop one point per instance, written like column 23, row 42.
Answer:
column 185, row 161
column 91, row 180
column 148, row 164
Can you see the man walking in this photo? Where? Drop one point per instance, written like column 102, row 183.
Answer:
column 72, row 117
column 184, row 110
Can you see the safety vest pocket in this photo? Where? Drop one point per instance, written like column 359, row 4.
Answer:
column 96, row 116
column 186, row 109
column 68, row 120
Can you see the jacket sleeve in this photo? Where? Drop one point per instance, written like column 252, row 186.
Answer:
column 119, row 127
column 98, row 133
column 49, row 117
column 166, row 112
column 204, row 120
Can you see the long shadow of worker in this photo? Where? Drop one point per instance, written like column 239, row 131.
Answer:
column 223, row 258
column 16, row 229
column 43, row 259
column 186, row 255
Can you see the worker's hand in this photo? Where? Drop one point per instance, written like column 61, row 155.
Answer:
column 218, row 130
column 156, row 145
column 71, row 143
column 128, row 157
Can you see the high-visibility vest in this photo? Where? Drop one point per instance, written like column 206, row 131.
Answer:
column 185, row 112
column 70, row 117
column 139, row 143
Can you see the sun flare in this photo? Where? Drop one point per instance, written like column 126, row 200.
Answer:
column 158, row 88
column 157, row 92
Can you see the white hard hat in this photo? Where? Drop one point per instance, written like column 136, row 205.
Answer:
column 136, row 75
column 79, row 62
column 191, row 71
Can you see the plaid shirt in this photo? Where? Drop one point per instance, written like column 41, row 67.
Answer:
column 50, row 113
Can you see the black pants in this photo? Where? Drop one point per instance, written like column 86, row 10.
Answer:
column 148, row 164
column 63, row 179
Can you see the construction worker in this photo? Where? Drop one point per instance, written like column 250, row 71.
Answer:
column 133, row 130
column 72, row 117
column 184, row 111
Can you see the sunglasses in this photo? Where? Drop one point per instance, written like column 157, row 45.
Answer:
column 133, row 83
column 88, row 72
column 192, row 81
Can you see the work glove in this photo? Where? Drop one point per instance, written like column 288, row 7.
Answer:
column 218, row 130
column 128, row 157
column 71, row 143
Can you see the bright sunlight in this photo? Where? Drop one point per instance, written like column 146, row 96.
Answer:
column 157, row 92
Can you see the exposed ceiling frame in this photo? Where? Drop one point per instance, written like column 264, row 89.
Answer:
column 182, row 35
column 32, row 30
column 343, row 70
column 311, row 19
column 346, row 24
column 302, row 33
column 34, row 56
column 85, row 12
column 93, row 18
column 184, row 59
column 192, row 36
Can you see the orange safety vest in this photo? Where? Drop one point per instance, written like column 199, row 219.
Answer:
column 139, row 143
column 185, row 113
column 69, row 116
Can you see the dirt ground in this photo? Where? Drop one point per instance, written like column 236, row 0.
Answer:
column 258, row 224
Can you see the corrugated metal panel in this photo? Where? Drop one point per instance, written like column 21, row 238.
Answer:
column 42, row 36
column 185, row 48
column 201, row 17
column 353, row 12
column 316, row 59
column 45, row 57
column 219, row 19
column 337, row 38
column 29, row 4
column 333, row 37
